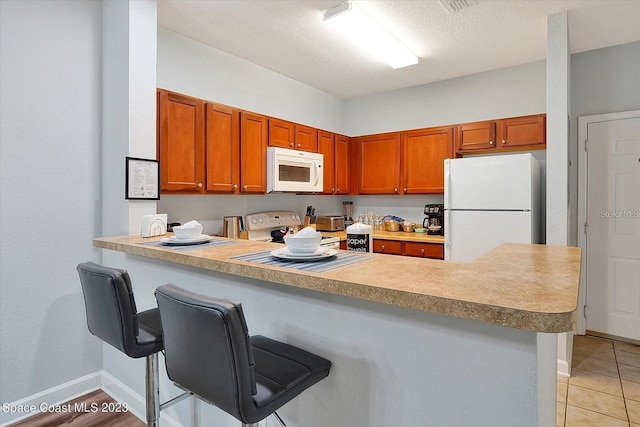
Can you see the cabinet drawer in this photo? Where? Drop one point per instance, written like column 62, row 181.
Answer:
column 425, row 250
column 387, row 247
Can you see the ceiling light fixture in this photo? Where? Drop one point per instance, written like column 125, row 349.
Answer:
column 352, row 22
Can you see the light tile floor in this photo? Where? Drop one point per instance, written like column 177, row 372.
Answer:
column 604, row 388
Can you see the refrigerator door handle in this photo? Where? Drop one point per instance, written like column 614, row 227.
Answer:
column 447, row 228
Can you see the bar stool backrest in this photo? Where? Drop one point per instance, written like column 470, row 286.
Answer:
column 110, row 306
column 208, row 348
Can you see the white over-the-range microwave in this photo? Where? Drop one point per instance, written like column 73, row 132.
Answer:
column 294, row 171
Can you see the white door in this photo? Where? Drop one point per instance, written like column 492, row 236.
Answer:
column 613, row 228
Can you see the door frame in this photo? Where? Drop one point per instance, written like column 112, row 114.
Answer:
column 583, row 123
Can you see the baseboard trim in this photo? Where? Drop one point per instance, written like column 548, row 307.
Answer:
column 563, row 368
column 137, row 404
column 53, row 396
column 81, row 386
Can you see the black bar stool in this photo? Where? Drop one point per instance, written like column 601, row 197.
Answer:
column 112, row 317
column 208, row 351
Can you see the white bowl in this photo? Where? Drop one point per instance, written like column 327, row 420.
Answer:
column 190, row 232
column 302, row 244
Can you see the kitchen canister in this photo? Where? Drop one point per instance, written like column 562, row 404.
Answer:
column 360, row 237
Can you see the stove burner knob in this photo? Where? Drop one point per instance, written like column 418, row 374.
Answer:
column 254, row 221
column 260, row 220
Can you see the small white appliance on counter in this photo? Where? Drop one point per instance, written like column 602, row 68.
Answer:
column 489, row 201
column 268, row 227
column 294, row 171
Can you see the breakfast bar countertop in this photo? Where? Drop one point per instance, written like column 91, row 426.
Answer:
column 529, row 287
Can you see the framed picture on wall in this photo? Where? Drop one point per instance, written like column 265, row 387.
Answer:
column 142, row 179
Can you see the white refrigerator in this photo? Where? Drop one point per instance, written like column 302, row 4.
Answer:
column 489, row 201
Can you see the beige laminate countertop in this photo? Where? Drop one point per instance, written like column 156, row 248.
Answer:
column 392, row 235
column 530, row 287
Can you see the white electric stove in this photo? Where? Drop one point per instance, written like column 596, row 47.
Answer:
column 260, row 227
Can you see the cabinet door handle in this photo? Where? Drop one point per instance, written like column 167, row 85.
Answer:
column 199, row 185
column 338, row 190
column 235, row 186
column 244, row 187
column 299, row 145
column 490, row 142
column 504, row 141
column 291, row 144
column 382, row 247
column 395, row 189
column 405, row 189
column 422, row 251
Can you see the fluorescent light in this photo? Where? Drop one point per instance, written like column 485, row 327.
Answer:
column 352, row 22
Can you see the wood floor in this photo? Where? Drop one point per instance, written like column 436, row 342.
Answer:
column 95, row 409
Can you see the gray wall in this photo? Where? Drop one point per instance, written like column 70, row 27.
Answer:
column 49, row 191
column 513, row 91
column 602, row 81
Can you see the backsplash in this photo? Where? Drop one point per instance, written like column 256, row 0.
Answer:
column 210, row 209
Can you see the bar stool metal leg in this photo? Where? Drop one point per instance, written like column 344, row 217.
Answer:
column 152, row 390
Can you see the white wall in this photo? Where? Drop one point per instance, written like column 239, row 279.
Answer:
column 49, row 191
column 508, row 92
column 602, row 81
column 193, row 68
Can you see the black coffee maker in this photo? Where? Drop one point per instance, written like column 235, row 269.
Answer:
column 434, row 219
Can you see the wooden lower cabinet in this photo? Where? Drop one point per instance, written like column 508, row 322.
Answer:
column 415, row 249
column 392, row 247
column 424, row 250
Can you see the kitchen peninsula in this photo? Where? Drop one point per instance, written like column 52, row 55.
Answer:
column 413, row 341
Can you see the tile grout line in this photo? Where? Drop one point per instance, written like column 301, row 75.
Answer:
column 624, row 400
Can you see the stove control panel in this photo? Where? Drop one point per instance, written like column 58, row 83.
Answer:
column 272, row 220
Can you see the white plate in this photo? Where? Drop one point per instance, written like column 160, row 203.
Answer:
column 321, row 250
column 284, row 253
column 181, row 242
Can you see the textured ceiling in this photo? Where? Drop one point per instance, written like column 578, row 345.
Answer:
column 288, row 36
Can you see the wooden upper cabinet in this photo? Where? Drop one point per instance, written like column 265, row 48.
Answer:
column 254, row 134
column 341, row 164
column 281, row 133
column 290, row 135
column 181, row 143
column 423, row 155
column 222, row 148
column 379, row 164
column 335, row 149
column 510, row 134
column 477, row 136
column 327, row 149
column 522, row 132
column 306, row 138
